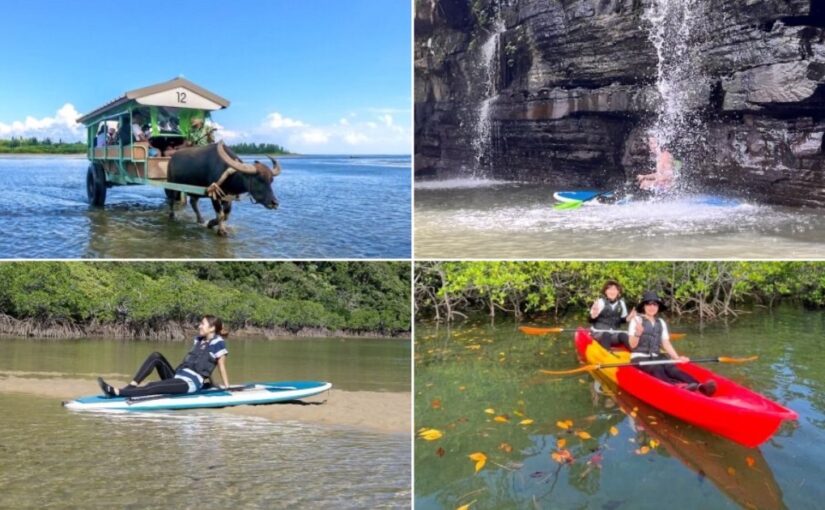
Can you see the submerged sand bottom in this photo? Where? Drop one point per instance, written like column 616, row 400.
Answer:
column 384, row 412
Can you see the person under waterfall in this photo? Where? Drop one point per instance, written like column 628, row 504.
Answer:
column 207, row 353
column 663, row 178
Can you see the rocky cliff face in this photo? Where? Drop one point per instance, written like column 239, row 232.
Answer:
column 572, row 91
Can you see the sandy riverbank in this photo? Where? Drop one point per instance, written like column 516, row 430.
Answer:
column 370, row 410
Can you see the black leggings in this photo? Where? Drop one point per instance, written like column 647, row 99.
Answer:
column 608, row 340
column 668, row 373
column 167, row 384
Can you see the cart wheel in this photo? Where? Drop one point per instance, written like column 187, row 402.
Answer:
column 96, row 185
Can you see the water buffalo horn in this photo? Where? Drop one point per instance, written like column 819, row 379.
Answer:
column 276, row 167
column 237, row 165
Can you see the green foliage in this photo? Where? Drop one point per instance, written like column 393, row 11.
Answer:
column 709, row 289
column 356, row 296
column 258, row 148
column 35, row 146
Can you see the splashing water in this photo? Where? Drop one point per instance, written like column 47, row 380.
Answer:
column 674, row 29
column 481, row 142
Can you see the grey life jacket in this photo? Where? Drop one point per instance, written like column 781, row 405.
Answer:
column 650, row 341
column 610, row 318
column 199, row 360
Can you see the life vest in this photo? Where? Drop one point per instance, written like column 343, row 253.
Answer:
column 199, row 359
column 611, row 316
column 650, row 341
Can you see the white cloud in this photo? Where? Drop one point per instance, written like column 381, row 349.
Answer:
column 314, row 136
column 225, row 134
column 277, row 121
column 355, row 138
column 61, row 126
column 377, row 133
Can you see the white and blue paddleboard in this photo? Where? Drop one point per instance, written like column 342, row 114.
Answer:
column 249, row 394
column 698, row 199
column 580, row 196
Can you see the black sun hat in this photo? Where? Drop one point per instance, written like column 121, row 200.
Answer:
column 647, row 297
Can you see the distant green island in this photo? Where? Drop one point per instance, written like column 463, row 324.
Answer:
column 48, row 146
column 45, row 146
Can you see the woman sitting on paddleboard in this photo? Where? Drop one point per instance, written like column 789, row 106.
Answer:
column 607, row 314
column 648, row 335
column 208, row 351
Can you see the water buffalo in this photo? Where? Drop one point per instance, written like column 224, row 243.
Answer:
column 226, row 176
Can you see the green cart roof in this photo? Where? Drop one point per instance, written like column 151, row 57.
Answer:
column 177, row 93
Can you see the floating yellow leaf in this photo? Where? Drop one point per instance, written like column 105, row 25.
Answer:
column 614, row 431
column 430, row 434
column 501, row 419
column 480, row 459
column 528, row 421
column 654, row 443
column 474, row 347
column 751, row 461
column 490, row 410
column 505, row 447
column 462, row 388
column 519, row 414
column 584, row 435
column 560, row 443
column 463, row 507
column 643, row 450
column 566, row 424
column 731, row 471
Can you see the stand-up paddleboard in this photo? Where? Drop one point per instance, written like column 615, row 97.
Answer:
column 580, row 196
column 698, row 199
column 248, row 394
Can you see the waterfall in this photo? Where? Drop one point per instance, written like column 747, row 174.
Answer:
column 489, row 51
column 675, row 28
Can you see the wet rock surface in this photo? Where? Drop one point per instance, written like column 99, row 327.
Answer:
column 575, row 91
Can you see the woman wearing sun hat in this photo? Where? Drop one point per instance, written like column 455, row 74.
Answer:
column 649, row 335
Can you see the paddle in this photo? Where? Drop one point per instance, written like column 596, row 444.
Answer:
column 564, row 206
column 144, row 398
column 528, row 330
column 598, row 366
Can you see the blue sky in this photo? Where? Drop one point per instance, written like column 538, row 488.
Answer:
column 317, row 76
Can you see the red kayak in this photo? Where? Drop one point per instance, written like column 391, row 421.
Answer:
column 733, row 411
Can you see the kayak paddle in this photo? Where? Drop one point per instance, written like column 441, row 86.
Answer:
column 528, row 330
column 598, row 366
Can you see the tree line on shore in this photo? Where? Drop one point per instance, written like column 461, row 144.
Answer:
column 33, row 145
column 445, row 291
column 356, row 297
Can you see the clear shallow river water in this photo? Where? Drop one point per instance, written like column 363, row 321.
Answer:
column 330, row 207
column 468, row 218
column 475, row 367
column 200, row 459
